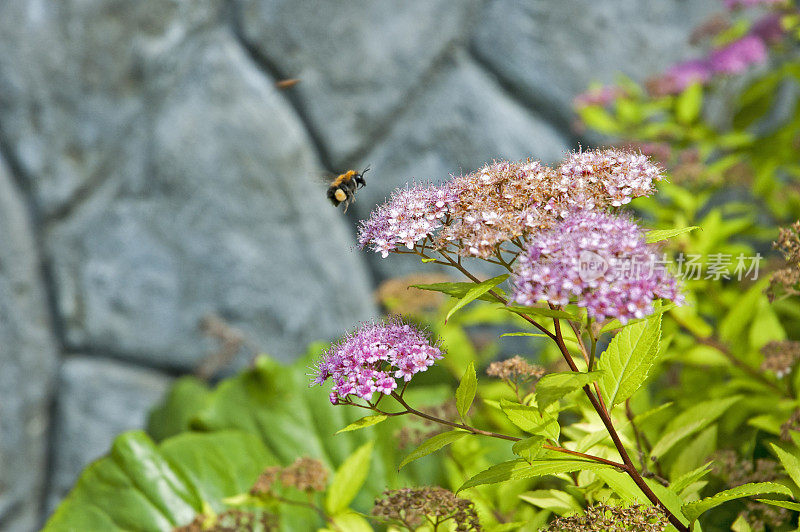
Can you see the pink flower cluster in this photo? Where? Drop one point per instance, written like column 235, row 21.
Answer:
column 407, row 218
column 734, row 4
column 733, row 58
column 623, row 175
column 369, row 360
column 597, row 260
column 474, row 214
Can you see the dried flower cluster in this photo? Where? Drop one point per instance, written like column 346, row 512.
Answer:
column 233, row 521
column 786, row 281
column 371, row 358
column 412, row 507
column 597, row 259
column 780, row 357
column 305, row 474
column 636, row 518
column 735, row 471
column 504, row 201
column 516, row 372
column 398, row 295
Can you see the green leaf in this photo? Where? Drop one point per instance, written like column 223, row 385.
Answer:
column 186, row 397
column 475, row 292
column 433, row 444
column 557, row 501
column 465, row 393
column 529, row 448
column 520, row 469
column 790, row 462
column 689, row 478
column 274, row 402
column 689, row 103
column 693, row 510
column 456, row 290
column 628, row 359
column 657, row 235
column 741, row 525
column 529, row 419
column 366, row 421
column 348, row 479
column 349, row 522
column 691, row 421
column 540, row 311
column 789, row 505
column 554, row 386
column 144, row 486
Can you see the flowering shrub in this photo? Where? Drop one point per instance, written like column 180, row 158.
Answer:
column 653, row 398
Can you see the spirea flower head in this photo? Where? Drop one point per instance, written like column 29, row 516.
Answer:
column 678, row 77
column 473, row 214
column 412, row 507
column 606, row 177
column 737, row 56
column 371, row 359
column 598, row 261
column 408, row 217
column 637, row 517
column 734, row 4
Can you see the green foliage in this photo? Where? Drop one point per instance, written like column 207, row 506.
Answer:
column 349, row 479
column 678, row 386
column 144, row 486
column 554, row 386
column 465, row 393
column 628, row 359
column 693, row 510
column 433, row 444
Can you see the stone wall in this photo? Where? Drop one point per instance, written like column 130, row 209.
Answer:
column 151, row 174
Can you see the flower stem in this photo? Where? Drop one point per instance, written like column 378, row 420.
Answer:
column 596, row 401
column 413, row 411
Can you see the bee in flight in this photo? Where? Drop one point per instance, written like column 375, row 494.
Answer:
column 344, row 186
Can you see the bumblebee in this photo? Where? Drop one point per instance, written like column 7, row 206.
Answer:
column 344, row 186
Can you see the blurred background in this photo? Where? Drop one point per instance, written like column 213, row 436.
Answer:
column 161, row 207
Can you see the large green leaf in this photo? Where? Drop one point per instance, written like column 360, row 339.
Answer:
column 144, row 486
column 689, row 422
column 693, row 510
column 554, row 386
column 790, row 462
column 628, row 359
column 186, row 397
column 531, row 420
column 521, row 469
column 433, row 444
column 348, row 479
column 274, row 402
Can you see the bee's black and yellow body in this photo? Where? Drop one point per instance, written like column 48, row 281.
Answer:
column 344, row 186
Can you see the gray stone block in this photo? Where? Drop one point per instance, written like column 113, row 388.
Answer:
column 550, row 51
column 358, row 61
column 28, row 358
column 462, row 120
column 97, row 400
column 227, row 219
